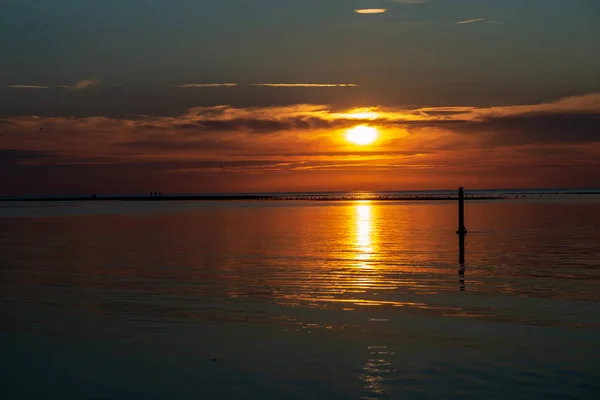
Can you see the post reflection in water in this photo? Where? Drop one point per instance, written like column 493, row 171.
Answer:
column 461, row 262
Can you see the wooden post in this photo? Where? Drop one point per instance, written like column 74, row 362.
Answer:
column 461, row 212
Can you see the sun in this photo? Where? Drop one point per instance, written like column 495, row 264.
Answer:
column 362, row 135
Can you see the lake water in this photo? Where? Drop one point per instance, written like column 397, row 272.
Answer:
column 299, row 300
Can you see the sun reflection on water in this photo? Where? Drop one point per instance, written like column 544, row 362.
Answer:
column 364, row 228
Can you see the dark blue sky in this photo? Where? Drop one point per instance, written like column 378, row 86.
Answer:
column 412, row 54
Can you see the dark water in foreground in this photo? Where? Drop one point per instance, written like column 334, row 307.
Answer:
column 299, row 300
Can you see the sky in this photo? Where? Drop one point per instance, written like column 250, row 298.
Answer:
column 196, row 96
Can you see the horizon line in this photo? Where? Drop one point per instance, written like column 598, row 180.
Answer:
column 308, row 192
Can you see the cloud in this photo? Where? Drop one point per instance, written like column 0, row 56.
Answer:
column 270, row 85
column 264, row 120
column 301, row 147
column 542, row 128
column 305, row 85
column 569, row 120
column 589, row 103
column 470, row 21
column 27, row 87
column 572, row 120
column 81, row 85
column 86, row 84
column 407, row 1
column 206, row 85
column 370, row 11
column 306, row 137
column 163, row 143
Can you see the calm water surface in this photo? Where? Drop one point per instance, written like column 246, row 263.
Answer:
column 299, row 300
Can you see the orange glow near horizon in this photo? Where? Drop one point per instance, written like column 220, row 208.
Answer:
column 302, row 147
column 362, row 135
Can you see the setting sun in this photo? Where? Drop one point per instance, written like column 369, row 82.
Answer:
column 362, row 135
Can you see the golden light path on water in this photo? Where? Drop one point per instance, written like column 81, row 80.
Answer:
column 363, row 222
column 359, row 269
column 364, row 227
column 378, row 367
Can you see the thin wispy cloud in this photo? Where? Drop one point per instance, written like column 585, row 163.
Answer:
column 81, row 85
column 407, row 1
column 270, row 85
column 86, row 84
column 206, row 85
column 470, row 21
column 305, row 85
column 27, row 87
column 370, row 10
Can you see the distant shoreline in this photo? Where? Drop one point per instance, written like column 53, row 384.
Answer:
column 254, row 198
column 390, row 196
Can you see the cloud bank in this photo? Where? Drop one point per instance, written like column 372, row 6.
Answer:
column 537, row 142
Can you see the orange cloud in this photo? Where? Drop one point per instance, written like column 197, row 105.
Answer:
column 271, row 85
column 206, row 85
column 305, row 85
column 440, row 144
column 370, row 11
column 81, row 85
